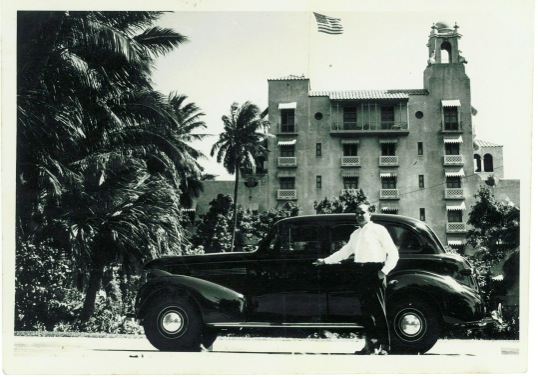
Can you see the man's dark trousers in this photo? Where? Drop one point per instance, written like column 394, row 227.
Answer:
column 372, row 301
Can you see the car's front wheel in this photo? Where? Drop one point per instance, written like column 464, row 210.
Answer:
column 173, row 324
column 414, row 327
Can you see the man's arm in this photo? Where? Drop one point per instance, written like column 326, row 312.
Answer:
column 391, row 250
column 344, row 252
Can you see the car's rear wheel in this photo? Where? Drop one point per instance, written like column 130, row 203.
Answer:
column 173, row 324
column 414, row 326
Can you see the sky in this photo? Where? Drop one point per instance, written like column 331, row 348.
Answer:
column 234, row 51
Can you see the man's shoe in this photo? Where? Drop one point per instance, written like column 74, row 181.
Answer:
column 364, row 351
column 382, row 350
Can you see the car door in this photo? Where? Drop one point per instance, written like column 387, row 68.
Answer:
column 338, row 281
column 286, row 286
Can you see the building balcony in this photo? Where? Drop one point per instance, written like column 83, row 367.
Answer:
column 350, row 161
column 349, row 190
column 456, row 228
column 287, row 162
column 453, row 159
column 286, row 194
column 373, row 128
column 287, row 129
column 389, row 194
column 388, row 160
column 453, row 193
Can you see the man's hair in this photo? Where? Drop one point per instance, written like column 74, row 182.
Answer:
column 371, row 207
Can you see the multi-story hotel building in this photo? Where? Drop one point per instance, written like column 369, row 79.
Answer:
column 412, row 151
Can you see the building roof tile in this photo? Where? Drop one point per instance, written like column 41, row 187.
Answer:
column 289, row 77
column 482, row 143
column 368, row 94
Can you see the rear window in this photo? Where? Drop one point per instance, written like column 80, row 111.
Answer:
column 302, row 238
column 405, row 239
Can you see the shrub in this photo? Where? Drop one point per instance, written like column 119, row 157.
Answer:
column 42, row 293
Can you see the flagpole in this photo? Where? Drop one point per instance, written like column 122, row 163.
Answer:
column 309, row 44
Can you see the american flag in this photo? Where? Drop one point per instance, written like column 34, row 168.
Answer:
column 329, row 25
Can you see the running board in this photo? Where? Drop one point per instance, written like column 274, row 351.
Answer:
column 287, row 324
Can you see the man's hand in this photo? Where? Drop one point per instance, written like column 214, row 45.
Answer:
column 318, row 262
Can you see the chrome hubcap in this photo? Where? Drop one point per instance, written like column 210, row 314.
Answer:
column 172, row 322
column 410, row 324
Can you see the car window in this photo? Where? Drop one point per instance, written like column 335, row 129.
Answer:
column 302, row 238
column 339, row 235
column 405, row 239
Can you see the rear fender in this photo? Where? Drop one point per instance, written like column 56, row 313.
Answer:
column 215, row 302
column 455, row 302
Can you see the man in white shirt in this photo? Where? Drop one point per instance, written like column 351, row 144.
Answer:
column 376, row 255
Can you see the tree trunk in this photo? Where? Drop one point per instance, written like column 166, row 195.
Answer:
column 96, row 276
column 236, row 189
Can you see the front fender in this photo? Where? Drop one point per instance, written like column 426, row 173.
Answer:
column 457, row 303
column 215, row 302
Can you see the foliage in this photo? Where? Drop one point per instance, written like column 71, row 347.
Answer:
column 495, row 235
column 42, row 293
column 213, row 230
column 239, row 145
column 495, row 227
column 347, row 201
column 103, row 163
column 267, row 218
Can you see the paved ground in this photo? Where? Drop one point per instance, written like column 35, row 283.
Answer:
column 47, row 355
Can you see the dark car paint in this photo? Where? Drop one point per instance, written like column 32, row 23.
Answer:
column 262, row 286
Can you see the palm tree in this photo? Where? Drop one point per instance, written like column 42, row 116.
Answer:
column 90, row 129
column 239, row 145
column 188, row 116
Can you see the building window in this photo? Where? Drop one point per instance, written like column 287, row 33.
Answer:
column 318, row 181
column 421, row 181
column 420, row 148
column 318, row 116
column 318, row 149
column 387, row 117
column 350, row 149
column 455, row 216
column 351, row 182
column 453, row 182
column 350, row 117
column 452, row 149
column 422, row 212
column 287, row 183
column 388, row 182
column 451, row 118
column 419, row 114
column 388, row 149
column 287, row 151
column 488, row 162
column 287, row 120
column 477, row 163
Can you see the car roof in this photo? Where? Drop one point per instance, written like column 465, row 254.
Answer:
column 350, row 216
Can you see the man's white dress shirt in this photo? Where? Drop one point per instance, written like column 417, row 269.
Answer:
column 370, row 243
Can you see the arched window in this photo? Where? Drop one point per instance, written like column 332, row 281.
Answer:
column 477, row 163
column 446, row 52
column 488, row 162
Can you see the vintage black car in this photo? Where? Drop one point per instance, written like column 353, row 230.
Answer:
column 188, row 300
